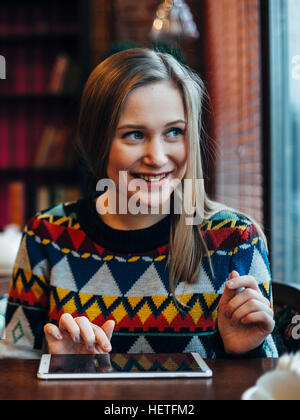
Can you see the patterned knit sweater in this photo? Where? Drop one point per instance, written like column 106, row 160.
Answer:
column 70, row 261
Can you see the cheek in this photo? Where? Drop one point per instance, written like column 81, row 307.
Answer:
column 119, row 159
column 180, row 157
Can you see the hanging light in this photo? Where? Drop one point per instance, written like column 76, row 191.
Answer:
column 173, row 21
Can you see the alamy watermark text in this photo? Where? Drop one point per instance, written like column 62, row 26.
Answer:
column 140, row 197
column 2, row 67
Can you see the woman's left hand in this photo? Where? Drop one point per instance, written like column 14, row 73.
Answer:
column 245, row 317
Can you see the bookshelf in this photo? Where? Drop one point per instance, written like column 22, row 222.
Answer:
column 46, row 49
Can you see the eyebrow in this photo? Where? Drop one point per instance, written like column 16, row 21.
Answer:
column 135, row 126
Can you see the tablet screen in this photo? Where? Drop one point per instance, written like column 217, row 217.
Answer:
column 123, row 363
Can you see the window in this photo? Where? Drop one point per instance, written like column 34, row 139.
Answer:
column 284, row 18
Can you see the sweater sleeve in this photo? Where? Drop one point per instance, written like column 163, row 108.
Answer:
column 28, row 301
column 250, row 258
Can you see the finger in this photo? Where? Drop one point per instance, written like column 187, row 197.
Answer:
column 234, row 274
column 86, row 332
column 241, row 298
column 228, row 293
column 262, row 318
column 251, row 306
column 108, row 328
column 236, row 283
column 52, row 332
column 68, row 325
column 101, row 338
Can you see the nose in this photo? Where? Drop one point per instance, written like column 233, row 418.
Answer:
column 155, row 153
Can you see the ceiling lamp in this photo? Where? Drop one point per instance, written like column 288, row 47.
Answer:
column 173, row 21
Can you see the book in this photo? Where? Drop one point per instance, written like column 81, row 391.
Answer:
column 20, row 151
column 54, row 150
column 21, row 23
column 65, row 75
column 58, row 73
column 57, row 153
column 3, row 206
column 20, row 68
column 4, row 25
column 16, row 203
column 40, row 18
column 45, row 145
column 71, row 81
column 42, row 198
column 38, row 84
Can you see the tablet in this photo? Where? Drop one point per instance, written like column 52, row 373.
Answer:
column 117, row 365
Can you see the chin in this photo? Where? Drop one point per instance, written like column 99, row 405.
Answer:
column 154, row 204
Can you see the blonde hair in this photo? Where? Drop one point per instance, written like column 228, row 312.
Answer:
column 103, row 98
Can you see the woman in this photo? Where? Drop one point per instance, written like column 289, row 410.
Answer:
column 115, row 271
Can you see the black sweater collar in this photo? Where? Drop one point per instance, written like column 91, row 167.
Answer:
column 120, row 241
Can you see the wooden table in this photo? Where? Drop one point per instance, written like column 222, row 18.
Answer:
column 231, row 378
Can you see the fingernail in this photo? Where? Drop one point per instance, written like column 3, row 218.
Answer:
column 230, row 284
column 107, row 347
column 58, row 336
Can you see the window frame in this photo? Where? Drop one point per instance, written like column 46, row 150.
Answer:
column 278, row 143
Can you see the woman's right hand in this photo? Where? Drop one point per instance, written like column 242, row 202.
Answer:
column 78, row 336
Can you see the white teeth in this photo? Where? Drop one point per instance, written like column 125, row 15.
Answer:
column 152, row 178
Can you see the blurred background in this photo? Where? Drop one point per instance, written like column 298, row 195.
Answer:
column 246, row 51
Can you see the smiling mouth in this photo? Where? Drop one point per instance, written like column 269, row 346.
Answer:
column 152, row 178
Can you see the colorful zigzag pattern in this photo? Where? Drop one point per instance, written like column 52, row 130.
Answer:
column 60, row 269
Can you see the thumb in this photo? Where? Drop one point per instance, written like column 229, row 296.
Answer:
column 108, row 328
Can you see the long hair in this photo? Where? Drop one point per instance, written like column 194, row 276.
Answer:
column 103, row 99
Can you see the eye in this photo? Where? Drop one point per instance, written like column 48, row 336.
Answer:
column 133, row 135
column 175, row 132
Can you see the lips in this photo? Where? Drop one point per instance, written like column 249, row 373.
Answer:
column 151, row 177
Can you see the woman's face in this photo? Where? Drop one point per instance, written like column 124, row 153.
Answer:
column 150, row 143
